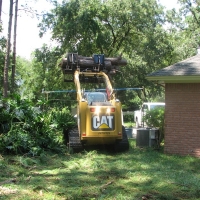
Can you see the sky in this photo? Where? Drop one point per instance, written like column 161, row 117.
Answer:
column 27, row 31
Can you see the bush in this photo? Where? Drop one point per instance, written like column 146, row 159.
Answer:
column 128, row 118
column 155, row 118
column 27, row 129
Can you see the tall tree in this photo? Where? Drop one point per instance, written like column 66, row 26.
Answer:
column 42, row 73
column 91, row 26
column 2, row 58
column 183, row 29
column 14, row 47
column 191, row 11
column 0, row 8
column 111, row 27
column 8, row 47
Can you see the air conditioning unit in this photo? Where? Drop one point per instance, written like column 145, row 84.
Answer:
column 147, row 137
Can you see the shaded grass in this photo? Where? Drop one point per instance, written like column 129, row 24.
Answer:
column 101, row 174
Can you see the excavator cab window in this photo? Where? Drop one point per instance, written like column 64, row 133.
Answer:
column 99, row 97
column 95, row 97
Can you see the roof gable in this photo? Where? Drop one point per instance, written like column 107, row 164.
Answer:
column 184, row 71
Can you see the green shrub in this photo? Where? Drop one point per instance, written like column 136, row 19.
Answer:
column 25, row 128
column 128, row 118
column 155, row 118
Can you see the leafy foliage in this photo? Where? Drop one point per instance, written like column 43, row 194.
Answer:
column 133, row 28
column 136, row 29
column 29, row 129
column 42, row 73
column 155, row 118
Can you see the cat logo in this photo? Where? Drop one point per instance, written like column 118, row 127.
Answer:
column 103, row 123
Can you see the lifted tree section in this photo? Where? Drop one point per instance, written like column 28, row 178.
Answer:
column 96, row 63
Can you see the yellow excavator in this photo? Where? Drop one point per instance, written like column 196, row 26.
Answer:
column 99, row 113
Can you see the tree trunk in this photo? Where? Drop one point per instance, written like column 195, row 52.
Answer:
column 0, row 9
column 7, row 57
column 14, row 47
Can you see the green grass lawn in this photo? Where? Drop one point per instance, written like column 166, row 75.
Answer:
column 140, row 173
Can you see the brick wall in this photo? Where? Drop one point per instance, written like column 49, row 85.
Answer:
column 182, row 119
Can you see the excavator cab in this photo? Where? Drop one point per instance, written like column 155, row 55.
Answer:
column 95, row 97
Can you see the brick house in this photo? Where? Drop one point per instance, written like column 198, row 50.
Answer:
column 182, row 110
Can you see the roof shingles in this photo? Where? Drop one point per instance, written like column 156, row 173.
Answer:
column 188, row 67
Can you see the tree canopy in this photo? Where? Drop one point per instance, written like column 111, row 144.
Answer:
column 149, row 37
column 133, row 28
column 91, row 26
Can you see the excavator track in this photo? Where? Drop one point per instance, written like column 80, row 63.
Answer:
column 74, row 144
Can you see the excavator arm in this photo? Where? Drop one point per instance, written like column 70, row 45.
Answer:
column 101, row 76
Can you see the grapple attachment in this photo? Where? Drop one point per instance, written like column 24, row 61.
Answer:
column 96, row 63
